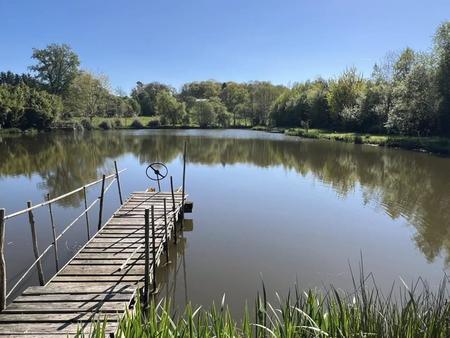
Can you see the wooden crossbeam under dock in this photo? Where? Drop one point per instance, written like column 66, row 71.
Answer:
column 101, row 280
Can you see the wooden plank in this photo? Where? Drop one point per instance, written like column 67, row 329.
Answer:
column 43, row 328
column 100, row 280
column 99, row 261
column 79, row 288
column 67, row 297
column 57, row 317
column 58, row 307
column 107, row 270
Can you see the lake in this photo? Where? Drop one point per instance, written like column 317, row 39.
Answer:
column 267, row 207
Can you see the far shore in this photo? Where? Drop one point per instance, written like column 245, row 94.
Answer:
column 431, row 144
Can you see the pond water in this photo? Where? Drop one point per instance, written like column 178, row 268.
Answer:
column 267, row 207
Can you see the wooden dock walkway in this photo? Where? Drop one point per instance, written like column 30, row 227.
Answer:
column 102, row 279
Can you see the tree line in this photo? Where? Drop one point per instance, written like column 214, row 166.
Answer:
column 408, row 93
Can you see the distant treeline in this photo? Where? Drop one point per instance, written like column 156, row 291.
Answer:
column 408, row 93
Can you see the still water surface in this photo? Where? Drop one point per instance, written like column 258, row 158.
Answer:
column 266, row 206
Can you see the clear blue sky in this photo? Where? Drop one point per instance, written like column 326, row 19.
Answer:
column 186, row 40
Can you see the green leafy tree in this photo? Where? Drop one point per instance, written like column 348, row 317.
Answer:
column 262, row 96
column 204, row 113
column 87, row 95
column 146, row 95
column 233, row 94
column 414, row 108
column 169, row 108
column 442, row 52
column 201, row 90
column 25, row 107
column 342, row 98
column 57, row 66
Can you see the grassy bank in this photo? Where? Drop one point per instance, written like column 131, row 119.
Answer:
column 414, row 312
column 437, row 145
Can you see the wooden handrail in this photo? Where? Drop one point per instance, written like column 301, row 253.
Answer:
column 61, row 197
column 3, row 218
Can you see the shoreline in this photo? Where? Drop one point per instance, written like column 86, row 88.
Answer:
column 431, row 144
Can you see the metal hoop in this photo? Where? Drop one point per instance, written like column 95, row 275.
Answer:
column 156, row 172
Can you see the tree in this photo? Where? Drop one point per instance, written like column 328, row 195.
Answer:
column 442, row 52
column 25, row 107
column 291, row 107
column 201, row 90
column 221, row 113
column 146, row 95
column 87, row 95
column 319, row 111
column 57, row 66
column 13, row 79
column 342, row 98
column 169, row 108
column 414, row 110
column 262, row 96
column 204, row 112
column 233, row 94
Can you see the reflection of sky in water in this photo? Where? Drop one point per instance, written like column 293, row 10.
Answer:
column 264, row 204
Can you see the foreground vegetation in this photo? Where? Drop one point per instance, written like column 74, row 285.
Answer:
column 407, row 94
column 415, row 312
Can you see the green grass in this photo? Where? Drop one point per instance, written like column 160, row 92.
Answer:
column 438, row 145
column 413, row 311
column 126, row 121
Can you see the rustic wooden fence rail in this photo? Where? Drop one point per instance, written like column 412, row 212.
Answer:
column 4, row 294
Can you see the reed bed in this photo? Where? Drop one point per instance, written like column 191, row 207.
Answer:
column 406, row 311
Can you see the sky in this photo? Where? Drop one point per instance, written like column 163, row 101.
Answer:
column 174, row 42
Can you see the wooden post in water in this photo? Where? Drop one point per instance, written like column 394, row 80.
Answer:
column 166, row 243
column 86, row 214
column 147, row 259
column 118, row 183
column 2, row 261
column 173, row 210
column 153, row 248
column 55, row 243
column 184, row 182
column 100, row 210
column 35, row 244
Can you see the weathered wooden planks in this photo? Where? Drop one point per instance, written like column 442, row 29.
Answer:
column 100, row 282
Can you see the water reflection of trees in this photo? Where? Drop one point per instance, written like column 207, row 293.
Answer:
column 415, row 186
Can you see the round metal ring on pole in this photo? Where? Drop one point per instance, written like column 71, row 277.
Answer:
column 156, row 171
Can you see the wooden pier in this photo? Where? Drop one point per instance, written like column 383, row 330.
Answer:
column 103, row 278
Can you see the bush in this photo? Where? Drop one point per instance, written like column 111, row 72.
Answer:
column 136, row 124
column 153, row 124
column 118, row 123
column 105, row 125
column 86, row 123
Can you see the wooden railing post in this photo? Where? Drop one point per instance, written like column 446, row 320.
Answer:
column 55, row 243
column 173, row 210
column 147, row 258
column 153, row 248
column 86, row 214
column 166, row 242
column 118, row 183
column 100, row 210
column 35, row 244
column 2, row 261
